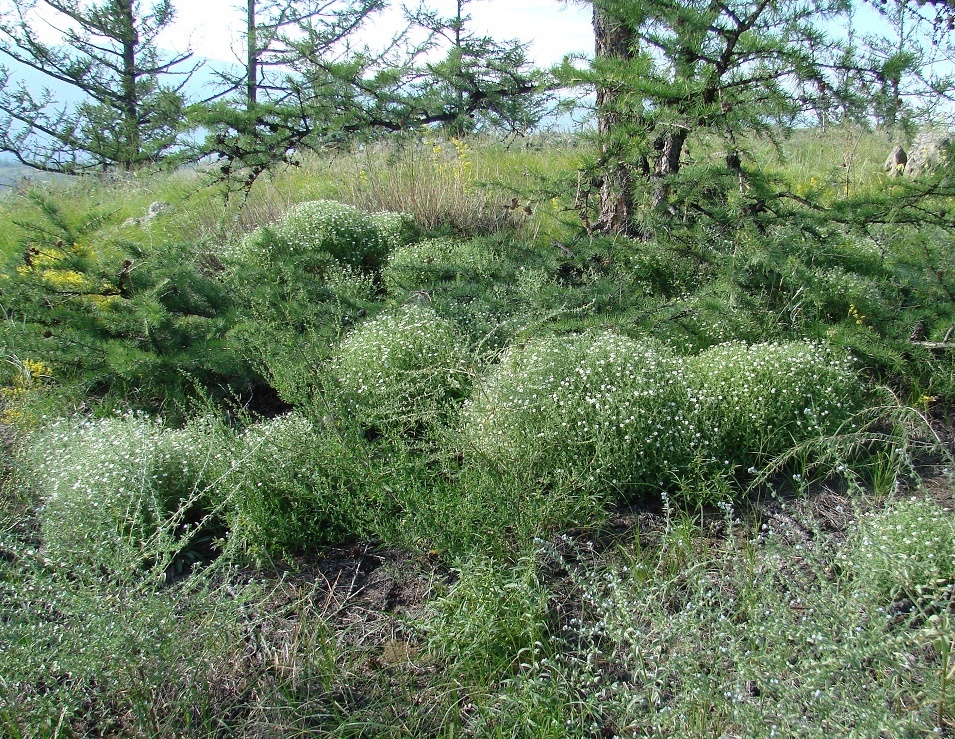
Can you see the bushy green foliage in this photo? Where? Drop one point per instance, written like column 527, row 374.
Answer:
column 434, row 261
column 470, row 282
column 302, row 282
column 314, row 249
column 752, row 402
column 597, row 410
column 401, row 369
column 343, row 232
column 124, row 492
column 611, row 413
column 311, row 233
column 396, row 229
column 95, row 656
column 294, row 488
column 490, row 619
column 578, row 405
column 905, row 550
column 146, row 320
column 787, row 651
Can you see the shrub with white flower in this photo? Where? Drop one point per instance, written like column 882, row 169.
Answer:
column 120, row 492
column 754, row 401
column 400, row 369
column 440, row 260
column 396, row 229
column 350, row 284
column 346, row 233
column 295, row 487
column 317, row 234
column 598, row 410
column 905, row 550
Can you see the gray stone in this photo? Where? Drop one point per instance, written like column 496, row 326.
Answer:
column 931, row 151
column 896, row 161
column 155, row 209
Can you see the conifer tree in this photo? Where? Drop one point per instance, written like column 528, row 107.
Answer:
column 912, row 52
column 668, row 69
column 311, row 84
column 115, row 99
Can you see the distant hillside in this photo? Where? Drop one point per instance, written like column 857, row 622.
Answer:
column 11, row 171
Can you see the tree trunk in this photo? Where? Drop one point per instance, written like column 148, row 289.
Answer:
column 132, row 155
column 252, row 58
column 667, row 164
column 613, row 40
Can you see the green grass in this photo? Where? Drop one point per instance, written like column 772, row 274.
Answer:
column 464, row 469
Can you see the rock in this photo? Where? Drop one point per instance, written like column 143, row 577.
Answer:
column 155, row 209
column 152, row 211
column 931, row 151
column 895, row 164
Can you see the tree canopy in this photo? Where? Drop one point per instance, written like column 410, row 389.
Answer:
column 666, row 70
column 129, row 94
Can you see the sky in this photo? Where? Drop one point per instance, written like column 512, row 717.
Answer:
column 213, row 28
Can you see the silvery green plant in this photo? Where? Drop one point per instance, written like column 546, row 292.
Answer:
column 607, row 412
column 597, row 410
column 753, row 636
column 401, row 369
column 122, row 492
column 904, row 550
column 335, row 230
column 313, row 241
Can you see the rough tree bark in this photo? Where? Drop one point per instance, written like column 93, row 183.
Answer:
column 613, row 40
column 129, row 37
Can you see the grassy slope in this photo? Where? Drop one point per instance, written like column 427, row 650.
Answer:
column 816, row 604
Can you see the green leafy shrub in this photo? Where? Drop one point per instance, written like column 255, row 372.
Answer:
column 401, row 369
column 907, row 549
column 434, row 261
column 469, row 282
column 295, row 486
column 125, row 491
column 754, row 401
column 596, row 410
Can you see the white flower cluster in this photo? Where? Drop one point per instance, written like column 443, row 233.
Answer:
column 767, row 397
column 109, row 486
column 610, row 411
column 396, row 229
column 350, row 283
column 436, row 260
column 340, row 230
column 400, row 367
column 599, row 408
column 903, row 550
column 317, row 233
